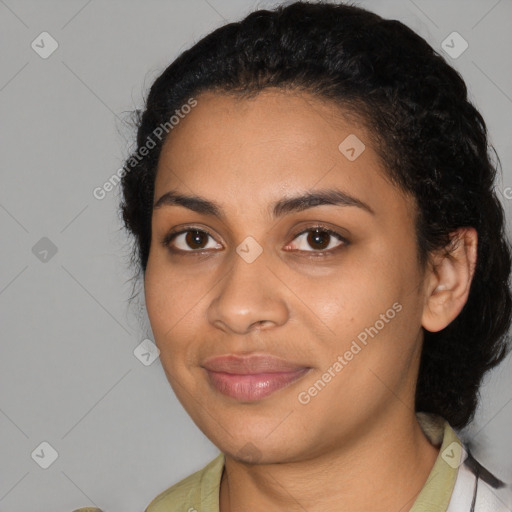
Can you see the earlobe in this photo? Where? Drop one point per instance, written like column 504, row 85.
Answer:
column 450, row 279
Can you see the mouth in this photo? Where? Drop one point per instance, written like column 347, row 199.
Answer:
column 253, row 377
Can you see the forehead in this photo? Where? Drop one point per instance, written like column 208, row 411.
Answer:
column 239, row 150
column 273, row 119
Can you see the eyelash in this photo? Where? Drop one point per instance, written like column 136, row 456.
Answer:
column 166, row 241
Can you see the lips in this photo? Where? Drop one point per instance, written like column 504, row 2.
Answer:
column 252, row 377
column 251, row 364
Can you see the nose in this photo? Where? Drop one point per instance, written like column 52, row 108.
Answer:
column 249, row 297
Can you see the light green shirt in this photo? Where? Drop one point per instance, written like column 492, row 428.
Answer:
column 199, row 492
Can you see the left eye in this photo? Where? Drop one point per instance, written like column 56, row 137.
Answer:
column 318, row 239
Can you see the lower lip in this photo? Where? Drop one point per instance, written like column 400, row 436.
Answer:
column 249, row 388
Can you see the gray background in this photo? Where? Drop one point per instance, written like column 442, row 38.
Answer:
column 68, row 372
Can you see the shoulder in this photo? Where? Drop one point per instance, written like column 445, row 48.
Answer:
column 492, row 494
column 193, row 492
column 476, row 488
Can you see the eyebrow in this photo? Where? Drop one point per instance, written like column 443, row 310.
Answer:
column 280, row 208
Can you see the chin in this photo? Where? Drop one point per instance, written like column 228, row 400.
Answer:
column 262, row 449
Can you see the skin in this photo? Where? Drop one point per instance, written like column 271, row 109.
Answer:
column 359, row 437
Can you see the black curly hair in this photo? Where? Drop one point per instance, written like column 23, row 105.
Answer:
column 431, row 139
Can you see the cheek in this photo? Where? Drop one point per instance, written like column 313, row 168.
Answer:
column 164, row 313
column 175, row 303
column 167, row 305
column 156, row 300
column 374, row 299
column 364, row 286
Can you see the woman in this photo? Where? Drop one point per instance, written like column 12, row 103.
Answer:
column 324, row 262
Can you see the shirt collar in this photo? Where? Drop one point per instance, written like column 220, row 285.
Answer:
column 437, row 490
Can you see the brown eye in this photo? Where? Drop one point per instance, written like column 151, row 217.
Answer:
column 188, row 240
column 196, row 239
column 320, row 239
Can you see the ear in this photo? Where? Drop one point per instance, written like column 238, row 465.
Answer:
column 448, row 282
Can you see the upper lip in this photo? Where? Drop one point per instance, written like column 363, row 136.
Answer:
column 250, row 364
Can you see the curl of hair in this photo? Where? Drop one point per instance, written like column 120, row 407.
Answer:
column 431, row 139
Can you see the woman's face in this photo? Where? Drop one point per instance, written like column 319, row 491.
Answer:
column 341, row 312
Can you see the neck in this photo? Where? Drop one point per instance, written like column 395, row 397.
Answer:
column 382, row 470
